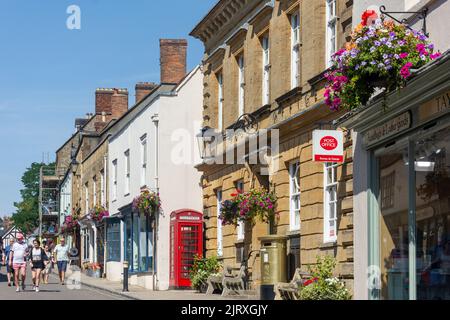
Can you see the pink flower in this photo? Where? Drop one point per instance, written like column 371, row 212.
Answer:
column 435, row 55
column 404, row 72
column 403, row 55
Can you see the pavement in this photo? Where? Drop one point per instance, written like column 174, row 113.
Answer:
column 53, row 290
column 79, row 286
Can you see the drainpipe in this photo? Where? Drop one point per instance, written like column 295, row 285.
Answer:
column 155, row 120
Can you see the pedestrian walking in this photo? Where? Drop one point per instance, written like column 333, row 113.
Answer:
column 48, row 267
column 60, row 253
column 6, row 253
column 38, row 261
column 17, row 260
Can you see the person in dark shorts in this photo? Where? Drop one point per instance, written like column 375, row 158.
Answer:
column 38, row 261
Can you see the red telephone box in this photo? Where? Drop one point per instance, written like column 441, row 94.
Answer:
column 186, row 240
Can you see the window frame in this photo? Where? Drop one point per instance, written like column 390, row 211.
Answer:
column 114, row 177
column 331, row 26
column 86, row 197
column 144, row 159
column 294, row 195
column 219, row 197
column 220, row 100
column 241, row 224
column 94, row 191
column 327, row 188
column 127, row 168
column 241, row 83
column 102, row 188
column 295, row 50
column 265, row 41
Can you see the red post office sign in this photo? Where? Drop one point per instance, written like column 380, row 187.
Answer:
column 328, row 146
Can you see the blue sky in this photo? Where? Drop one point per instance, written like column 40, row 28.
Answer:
column 48, row 73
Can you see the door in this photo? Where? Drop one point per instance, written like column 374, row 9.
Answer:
column 189, row 245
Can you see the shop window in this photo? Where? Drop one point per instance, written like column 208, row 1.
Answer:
column 294, row 195
column 139, row 242
column 387, row 190
column 330, row 202
column 113, row 240
column 219, row 224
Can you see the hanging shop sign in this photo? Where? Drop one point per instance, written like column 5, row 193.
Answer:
column 388, row 128
column 328, row 146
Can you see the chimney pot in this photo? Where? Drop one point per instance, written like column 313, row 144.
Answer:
column 143, row 89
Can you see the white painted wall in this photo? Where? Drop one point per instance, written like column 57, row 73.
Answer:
column 179, row 182
column 65, row 201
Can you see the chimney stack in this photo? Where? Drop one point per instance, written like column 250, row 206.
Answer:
column 143, row 89
column 109, row 104
column 173, row 60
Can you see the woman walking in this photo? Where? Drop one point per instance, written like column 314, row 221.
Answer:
column 48, row 267
column 38, row 261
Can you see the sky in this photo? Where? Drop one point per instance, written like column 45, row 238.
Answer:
column 49, row 73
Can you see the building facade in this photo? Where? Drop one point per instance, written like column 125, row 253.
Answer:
column 265, row 61
column 399, row 229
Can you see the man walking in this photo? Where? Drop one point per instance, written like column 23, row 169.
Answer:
column 60, row 253
column 17, row 260
column 6, row 254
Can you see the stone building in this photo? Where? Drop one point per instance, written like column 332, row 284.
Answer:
column 265, row 61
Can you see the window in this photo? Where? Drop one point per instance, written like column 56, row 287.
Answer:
column 127, row 172
column 241, row 225
column 86, row 244
column 114, row 179
column 294, row 196
column 331, row 20
column 220, row 102
column 330, row 202
column 295, row 50
column 139, row 242
column 113, row 239
column 94, row 191
column 266, row 70
column 241, row 84
column 143, row 160
column 102, row 188
column 86, row 197
column 387, row 191
column 219, row 224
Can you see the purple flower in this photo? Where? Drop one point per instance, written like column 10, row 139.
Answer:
column 381, row 65
column 383, row 40
column 392, row 34
column 372, row 49
column 396, row 56
column 389, row 44
column 377, row 43
column 363, row 63
column 385, row 56
column 401, row 42
column 373, row 62
column 387, row 62
column 431, row 46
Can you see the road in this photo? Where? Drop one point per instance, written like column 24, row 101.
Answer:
column 51, row 291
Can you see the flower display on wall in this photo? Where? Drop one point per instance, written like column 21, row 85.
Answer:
column 70, row 223
column 98, row 213
column 148, row 202
column 248, row 206
column 380, row 55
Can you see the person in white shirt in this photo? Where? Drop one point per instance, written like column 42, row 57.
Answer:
column 17, row 259
column 60, row 254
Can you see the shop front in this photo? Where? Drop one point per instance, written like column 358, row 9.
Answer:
column 404, row 172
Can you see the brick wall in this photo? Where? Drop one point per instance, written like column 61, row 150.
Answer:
column 173, row 60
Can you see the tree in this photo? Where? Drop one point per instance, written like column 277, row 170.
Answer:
column 26, row 217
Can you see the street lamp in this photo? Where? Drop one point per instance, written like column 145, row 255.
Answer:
column 75, row 164
column 205, row 140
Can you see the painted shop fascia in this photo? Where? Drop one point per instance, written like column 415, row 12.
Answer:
column 401, row 211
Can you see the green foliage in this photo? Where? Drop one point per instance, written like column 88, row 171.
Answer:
column 26, row 217
column 323, row 286
column 202, row 269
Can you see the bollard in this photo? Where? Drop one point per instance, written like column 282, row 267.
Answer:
column 125, row 276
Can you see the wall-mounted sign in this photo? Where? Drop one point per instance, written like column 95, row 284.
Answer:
column 435, row 107
column 328, row 146
column 389, row 128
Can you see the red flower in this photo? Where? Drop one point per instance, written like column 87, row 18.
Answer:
column 367, row 15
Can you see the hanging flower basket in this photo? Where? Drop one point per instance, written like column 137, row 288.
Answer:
column 257, row 204
column 98, row 213
column 69, row 225
column 379, row 56
column 147, row 203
